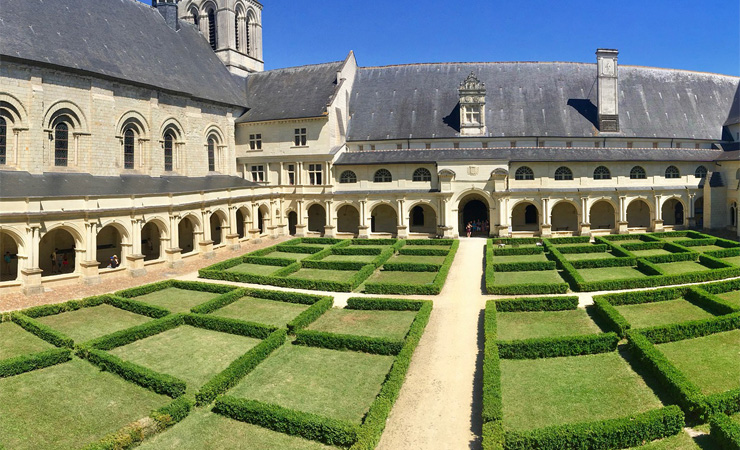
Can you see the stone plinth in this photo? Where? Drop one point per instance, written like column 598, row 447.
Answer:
column 174, row 257
column 206, row 249
column 135, row 265
column 90, row 271
column 32, row 281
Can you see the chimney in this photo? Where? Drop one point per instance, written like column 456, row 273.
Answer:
column 608, row 89
column 168, row 9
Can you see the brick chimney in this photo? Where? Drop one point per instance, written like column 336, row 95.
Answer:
column 608, row 89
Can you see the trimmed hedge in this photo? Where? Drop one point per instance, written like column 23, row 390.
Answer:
column 411, row 267
column 321, row 240
column 27, row 363
column 525, row 289
column 335, row 341
column 492, row 406
column 228, row 325
column 722, row 286
column 310, row 315
column 648, row 268
column 590, row 248
column 610, row 316
column 618, row 433
column 429, row 241
column 503, row 251
column 384, row 304
column 523, row 266
column 267, row 261
column 357, row 251
column 423, row 251
column 333, row 265
column 187, row 285
column 58, row 308
column 44, row 332
column 638, row 297
column 537, row 304
column 136, row 307
column 697, row 242
column 644, row 246
column 279, row 296
column 710, row 302
column 726, row 253
column 219, row 302
column 673, row 257
column 129, row 335
column 570, row 240
column 237, row 370
column 725, row 432
column 559, row 346
column 691, row 329
column 599, row 263
column 297, row 249
column 374, row 241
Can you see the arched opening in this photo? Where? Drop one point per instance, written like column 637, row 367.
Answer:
column 151, row 241
column 3, row 141
column 525, row 217
column 241, row 218
column 699, row 212
column 109, row 248
column 638, row 214
column 263, row 215
column 211, row 154
column 423, row 219
column 169, row 145
column 57, row 252
column 603, row 216
column 348, row 219
column 292, row 222
column 316, row 218
column 61, row 144
column 218, row 223
column 9, row 250
column 186, row 235
column 473, row 209
column 564, row 217
column 212, row 39
column 673, row 212
column 733, row 215
column 383, row 219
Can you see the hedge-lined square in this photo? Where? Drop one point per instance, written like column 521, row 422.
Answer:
column 93, row 322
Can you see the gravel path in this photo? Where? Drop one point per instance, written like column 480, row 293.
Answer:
column 439, row 405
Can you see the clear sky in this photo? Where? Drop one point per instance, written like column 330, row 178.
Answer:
column 701, row 35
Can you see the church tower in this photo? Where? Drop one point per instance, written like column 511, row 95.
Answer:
column 232, row 27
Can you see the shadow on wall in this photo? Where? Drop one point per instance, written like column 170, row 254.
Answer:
column 453, row 119
column 586, row 108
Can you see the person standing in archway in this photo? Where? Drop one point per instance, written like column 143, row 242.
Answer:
column 469, row 228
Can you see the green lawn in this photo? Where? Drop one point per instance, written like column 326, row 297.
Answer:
column 288, row 255
column 610, row 273
column 413, row 259
column 519, row 258
column 661, row 313
column 260, row 310
column 331, row 383
column 16, row 341
column 90, row 323
column 192, row 354
column 711, row 362
column 682, row 267
column 527, row 277
column 675, row 238
column 204, row 430
column 706, row 248
column 553, row 391
column 352, row 258
column 177, row 300
column 381, row 247
column 539, row 324
column 321, row 274
column 681, row 441
column 732, row 297
column 651, row 252
column 584, row 256
column 255, row 269
column 630, row 241
column 384, row 324
column 732, row 260
column 68, row 406
column 386, row 276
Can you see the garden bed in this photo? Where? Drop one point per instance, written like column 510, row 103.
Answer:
column 381, row 324
column 92, row 322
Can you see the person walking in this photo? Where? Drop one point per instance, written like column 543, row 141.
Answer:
column 469, row 228
column 53, row 259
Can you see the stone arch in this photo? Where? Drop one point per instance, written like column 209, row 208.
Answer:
column 292, row 222
column 733, row 210
column 187, row 227
column 316, row 217
column 173, row 125
column 263, row 218
column 11, row 108
column 564, row 216
column 673, row 211
column 112, row 240
column 153, row 233
column 383, row 218
column 639, row 212
column 525, row 216
column 699, row 211
column 242, row 216
column 133, row 119
column 422, row 218
column 603, row 215
column 474, row 207
column 64, row 108
column 11, row 246
column 217, row 222
column 62, row 241
column 348, row 219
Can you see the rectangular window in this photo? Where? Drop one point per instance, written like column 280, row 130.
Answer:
column 300, row 137
column 597, row 144
column 655, row 145
column 455, row 145
column 427, row 145
column 255, row 142
column 291, row 174
column 258, row 173
column 399, row 146
column 697, row 146
column 315, row 174
column 485, row 144
column 569, row 144
column 372, row 146
column 361, row 147
column 512, row 144
column 541, row 144
column 678, row 145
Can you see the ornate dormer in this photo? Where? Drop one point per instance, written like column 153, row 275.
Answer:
column 472, row 106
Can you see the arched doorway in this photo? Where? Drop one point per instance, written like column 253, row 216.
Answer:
column 525, row 217
column 383, row 219
column 564, row 217
column 348, row 219
column 151, row 241
column 316, row 218
column 423, row 219
column 474, row 209
column 733, row 215
column 241, row 218
column 638, row 214
column 57, row 252
column 292, row 222
column 603, row 216
column 699, row 212
column 673, row 212
column 186, row 234
column 263, row 215
column 217, row 222
column 109, row 246
column 9, row 252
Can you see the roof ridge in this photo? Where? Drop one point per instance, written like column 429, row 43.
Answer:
column 305, row 66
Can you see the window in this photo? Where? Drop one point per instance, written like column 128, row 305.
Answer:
column 258, row 173
column 563, row 174
column 237, row 35
column 597, row 144
column 569, row 144
column 700, row 172
column 248, row 43
column 3, row 146
column 360, row 147
column 399, row 146
column 382, row 176
column 169, row 141
column 348, row 177
column 678, row 145
column 427, row 145
column 129, row 143
column 422, row 174
column 540, row 144
column 602, row 173
column 471, row 114
column 372, row 147
column 315, row 172
column 512, row 144
column 212, row 28
column 697, row 146
column 672, row 172
column 655, row 145
column 211, row 154
column 300, row 137
column 637, row 173
column 455, row 145
column 255, row 142
column 291, row 174
column 484, row 144
column 195, row 16
column 61, row 144
column 629, row 144
column 524, row 173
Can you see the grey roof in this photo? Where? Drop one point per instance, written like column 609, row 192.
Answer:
column 537, row 99
column 121, row 39
column 51, row 184
column 734, row 116
column 733, row 155
column 292, row 93
column 526, row 155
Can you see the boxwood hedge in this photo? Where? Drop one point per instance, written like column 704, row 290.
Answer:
column 335, row 341
column 558, row 346
column 725, row 432
column 310, row 315
column 384, row 304
column 537, row 304
column 44, row 332
column 27, row 363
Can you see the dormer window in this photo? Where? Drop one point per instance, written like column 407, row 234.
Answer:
column 472, row 106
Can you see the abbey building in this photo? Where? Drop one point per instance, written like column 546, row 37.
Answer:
column 153, row 134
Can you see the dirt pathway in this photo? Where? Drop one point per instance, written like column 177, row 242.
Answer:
column 439, row 405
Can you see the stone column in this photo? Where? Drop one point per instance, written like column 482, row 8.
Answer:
column 31, row 275
column 402, row 232
column 135, row 259
column 329, row 228
column 364, row 228
column 658, row 220
column 206, row 244
column 585, row 222
column 89, row 266
column 232, row 238
column 545, row 227
column 300, row 226
column 692, row 211
column 622, row 224
column 448, row 230
column 173, row 254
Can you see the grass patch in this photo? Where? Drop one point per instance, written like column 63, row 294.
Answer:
column 413, row 259
column 255, row 269
column 682, row 267
column 552, row 391
column 331, row 383
column 177, row 300
column 610, row 273
column 351, row 258
column 321, row 274
column 733, row 260
column 527, row 277
column 68, row 406
column 706, row 248
column 385, row 276
column 585, row 256
column 260, row 310
column 16, row 341
column 731, row 297
column 90, row 323
column 681, row 441
column 191, row 354
column 540, row 324
column 661, row 313
column 519, row 258
column 288, row 255
column 651, row 252
column 711, row 362
column 384, row 324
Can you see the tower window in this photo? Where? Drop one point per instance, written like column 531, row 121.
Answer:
column 524, row 173
column 700, row 172
column 212, row 29
column 128, row 148
column 563, row 174
column 61, row 144
column 255, row 142
column 168, row 146
column 300, row 137
column 3, row 146
column 211, row 154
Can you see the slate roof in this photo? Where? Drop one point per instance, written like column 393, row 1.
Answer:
column 292, row 93
column 528, row 154
column 537, row 99
column 51, row 184
column 121, row 39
